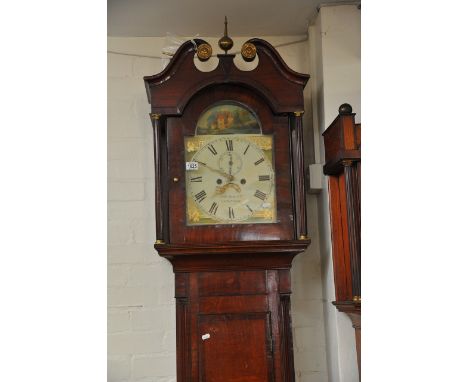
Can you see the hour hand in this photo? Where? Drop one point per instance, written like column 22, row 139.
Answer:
column 222, row 189
column 229, row 177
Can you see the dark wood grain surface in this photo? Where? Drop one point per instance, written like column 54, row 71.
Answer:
column 342, row 142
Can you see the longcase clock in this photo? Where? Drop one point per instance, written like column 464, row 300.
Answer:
column 230, row 208
column 342, row 141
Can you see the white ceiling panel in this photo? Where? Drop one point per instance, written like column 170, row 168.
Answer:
column 154, row 18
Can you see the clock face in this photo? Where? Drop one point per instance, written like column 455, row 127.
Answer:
column 230, row 179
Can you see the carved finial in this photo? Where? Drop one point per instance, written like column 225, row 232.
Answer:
column 344, row 109
column 225, row 42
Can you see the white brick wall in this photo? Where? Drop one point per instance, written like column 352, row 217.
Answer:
column 307, row 308
column 141, row 306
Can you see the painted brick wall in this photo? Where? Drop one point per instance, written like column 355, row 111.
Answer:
column 141, row 307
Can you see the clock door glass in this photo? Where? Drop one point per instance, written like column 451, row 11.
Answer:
column 230, row 178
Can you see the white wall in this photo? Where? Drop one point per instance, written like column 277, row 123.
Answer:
column 341, row 59
column 141, row 318
column 335, row 56
column 141, row 339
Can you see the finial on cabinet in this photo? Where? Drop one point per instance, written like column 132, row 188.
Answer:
column 225, row 42
column 345, row 108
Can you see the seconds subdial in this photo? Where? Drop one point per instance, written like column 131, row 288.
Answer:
column 230, row 162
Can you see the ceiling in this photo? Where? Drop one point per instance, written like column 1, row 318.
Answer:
column 155, row 18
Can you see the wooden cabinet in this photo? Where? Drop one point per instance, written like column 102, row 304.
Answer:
column 342, row 141
column 238, row 324
column 232, row 274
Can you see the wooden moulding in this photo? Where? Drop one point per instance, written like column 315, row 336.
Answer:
column 233, row 256
column 170, row 91
column 274, row 246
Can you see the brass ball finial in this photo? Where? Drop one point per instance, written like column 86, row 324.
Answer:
column 225, row 42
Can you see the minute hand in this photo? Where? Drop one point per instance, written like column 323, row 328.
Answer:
column 229, row 177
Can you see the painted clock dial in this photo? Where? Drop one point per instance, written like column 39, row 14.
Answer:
column 230, row 179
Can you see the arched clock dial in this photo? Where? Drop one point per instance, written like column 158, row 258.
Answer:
column 230, row 180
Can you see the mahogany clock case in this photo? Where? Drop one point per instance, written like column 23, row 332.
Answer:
column 232, row 281
column 180, row 127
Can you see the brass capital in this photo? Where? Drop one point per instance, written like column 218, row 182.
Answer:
column 347, row 162
column 159, row 241
column 356, row 298
column 303, row 237
column 154, row 116
column 298, row 113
